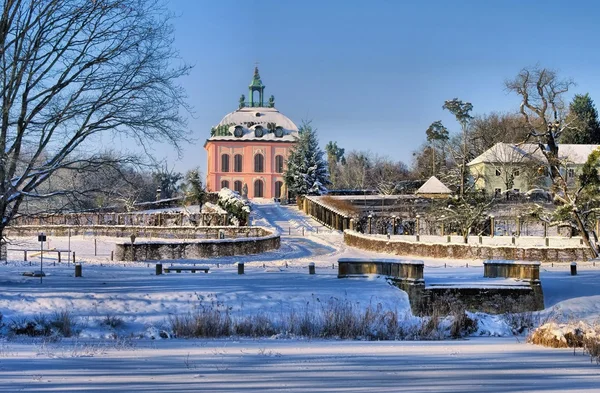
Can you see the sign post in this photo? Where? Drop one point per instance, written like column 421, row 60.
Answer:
column 41, row 239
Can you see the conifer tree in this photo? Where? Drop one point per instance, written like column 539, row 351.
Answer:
column 584, row 126
column 306, row 172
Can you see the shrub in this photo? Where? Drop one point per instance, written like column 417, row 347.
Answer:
column 207, row 321
column 63, row 323
column 112, row 321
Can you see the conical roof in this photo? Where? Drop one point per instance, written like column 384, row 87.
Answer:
column 256, row 82
column 434, row 186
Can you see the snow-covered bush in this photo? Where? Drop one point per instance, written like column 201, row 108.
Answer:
column 569, row 335
column 60, row 323
column 237, row 208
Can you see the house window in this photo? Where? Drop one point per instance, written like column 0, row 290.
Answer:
column 516, row 190
column 259, row 163
column 237, row 186
column 237, row 163
column 225, row 163
column 224, row 184
column 516, row 173
column 570, row 173
column 497, row 191
column 278, row 186
column 279, row 164
column 258, row 189
column 498, row 172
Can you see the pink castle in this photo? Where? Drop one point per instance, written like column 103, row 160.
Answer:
column 248, row 149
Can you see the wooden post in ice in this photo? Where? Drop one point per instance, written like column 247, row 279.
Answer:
column 311, row 268
column 240, row 267
column 492, row 225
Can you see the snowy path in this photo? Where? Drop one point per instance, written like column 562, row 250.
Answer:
column 477, row 365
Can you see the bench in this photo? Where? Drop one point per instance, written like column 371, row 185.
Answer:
column 192, row 269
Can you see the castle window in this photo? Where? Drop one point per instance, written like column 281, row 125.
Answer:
column 278, row 186
column 259, row 163
column 224, row 184
column 238, row 163
column 237, row 186
column 225, row 163
column 258, row 189
column 279, row 164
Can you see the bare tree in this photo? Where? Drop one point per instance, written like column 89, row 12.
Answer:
column 489, row 129
column 75, row 73
column 542, row 106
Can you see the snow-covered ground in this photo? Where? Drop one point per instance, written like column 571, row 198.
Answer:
column 225, row 366
column 275, row 283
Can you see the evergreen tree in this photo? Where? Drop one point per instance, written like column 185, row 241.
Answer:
column 194, row 192
column 584, row 127
column 335, row 155
column 306, row 172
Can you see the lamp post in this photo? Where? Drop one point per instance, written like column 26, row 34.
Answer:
column 41, row 239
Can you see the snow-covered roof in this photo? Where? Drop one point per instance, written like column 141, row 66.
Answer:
column 248, row 119
column 508, row 152
column 576, row 154
column 434, row 186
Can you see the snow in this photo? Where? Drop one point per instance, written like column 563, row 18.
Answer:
column 275, row 283
column 477, row 365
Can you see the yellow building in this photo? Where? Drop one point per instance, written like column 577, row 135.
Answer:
column 519, row 168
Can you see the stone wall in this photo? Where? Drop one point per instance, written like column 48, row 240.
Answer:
column 465, row 251
column 164, row 250
column 394, row 268
column 491, row 300
column 174, row 232
column 512, row 269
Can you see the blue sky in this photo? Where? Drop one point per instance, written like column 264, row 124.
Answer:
column 372, row 75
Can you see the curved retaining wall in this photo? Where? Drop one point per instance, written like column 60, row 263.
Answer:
column 172, row 232
column 210, row 248
column 465, row 251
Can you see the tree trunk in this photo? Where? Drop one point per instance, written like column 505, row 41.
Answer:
column 432, row 161
column 585, row 234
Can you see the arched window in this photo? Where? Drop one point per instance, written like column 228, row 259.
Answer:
column 278, row 187
column 237, row 163
column 258, row 189
column 224, row 184
column 279, row 164
column 259, row 163
column 237, row 186
column 225, row 163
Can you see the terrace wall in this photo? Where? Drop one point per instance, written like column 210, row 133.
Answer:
column 465, row 251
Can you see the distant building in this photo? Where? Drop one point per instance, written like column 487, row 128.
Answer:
column 519, row 168
column 248, row 149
